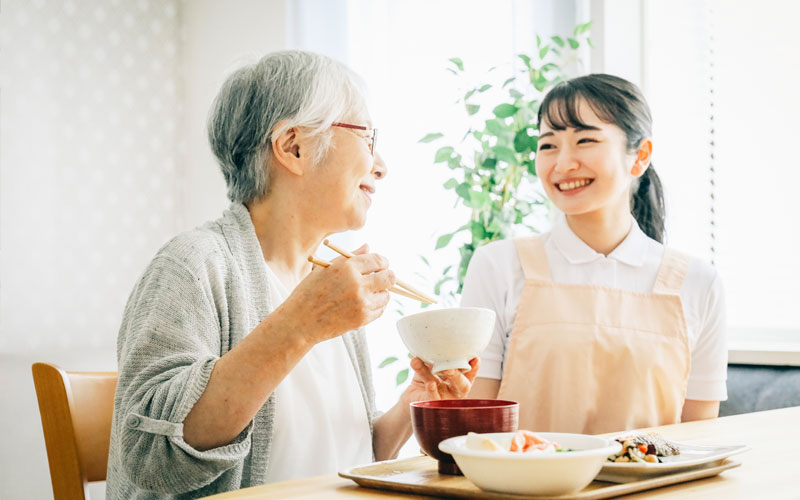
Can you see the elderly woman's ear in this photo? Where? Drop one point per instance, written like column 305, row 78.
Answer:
column 286, row 152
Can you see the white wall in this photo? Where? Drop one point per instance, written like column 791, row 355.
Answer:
column 217, row 37
column 103, row 157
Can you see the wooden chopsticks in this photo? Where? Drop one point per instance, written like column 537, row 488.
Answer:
column 403, row 289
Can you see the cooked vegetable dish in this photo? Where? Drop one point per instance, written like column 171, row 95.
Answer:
column 645, row 448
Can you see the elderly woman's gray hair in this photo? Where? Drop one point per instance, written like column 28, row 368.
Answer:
column 300, row 89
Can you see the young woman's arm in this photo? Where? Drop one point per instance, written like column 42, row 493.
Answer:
column 699, row 410
column 484, row 388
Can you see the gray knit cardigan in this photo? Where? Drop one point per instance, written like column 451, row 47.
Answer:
column 203, row 292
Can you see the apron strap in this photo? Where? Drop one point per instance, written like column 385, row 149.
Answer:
column 673, row 269
column 533, row 258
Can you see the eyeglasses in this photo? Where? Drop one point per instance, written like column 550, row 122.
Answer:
column 373, row 137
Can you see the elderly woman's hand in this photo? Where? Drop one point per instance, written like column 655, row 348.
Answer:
column 347, row 295
column 449, row 384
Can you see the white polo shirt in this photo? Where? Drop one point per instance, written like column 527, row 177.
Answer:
column 495, row 279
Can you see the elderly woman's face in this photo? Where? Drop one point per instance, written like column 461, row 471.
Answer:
column 347, row 177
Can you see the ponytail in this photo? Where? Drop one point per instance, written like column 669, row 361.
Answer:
column 647, row 204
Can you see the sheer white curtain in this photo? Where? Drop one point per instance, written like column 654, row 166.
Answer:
column 749, row 50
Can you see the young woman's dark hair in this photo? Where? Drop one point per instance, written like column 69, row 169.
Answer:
column 620, row 102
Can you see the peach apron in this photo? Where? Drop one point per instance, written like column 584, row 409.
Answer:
column 593, row 359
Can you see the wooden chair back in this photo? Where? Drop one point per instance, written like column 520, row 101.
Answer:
column 76, row 410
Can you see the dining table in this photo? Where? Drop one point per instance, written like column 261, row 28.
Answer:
column 769, row 470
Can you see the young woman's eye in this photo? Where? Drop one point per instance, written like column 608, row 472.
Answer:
column 545, row 146
column 586, row 140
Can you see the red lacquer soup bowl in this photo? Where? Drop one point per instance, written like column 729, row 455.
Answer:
column 435, row 421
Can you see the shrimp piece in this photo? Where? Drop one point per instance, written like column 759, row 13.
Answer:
column 517, row 442
column 526, row 440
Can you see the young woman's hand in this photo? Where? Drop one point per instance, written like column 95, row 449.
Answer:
column 345, row 296
column 449, row 384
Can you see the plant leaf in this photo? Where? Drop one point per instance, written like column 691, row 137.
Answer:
column 437, row 288
column 573, row 43
column 508, row 81
column 478, row 231
column 431, row 137
column 463, row 190
column 549, row 66
column 443, row 240
column 472, row 109
column 521, row 141
column 388, row 361
column 505, row 110
column 402, row 376
column 543, row 51
column 451, row 183
column 495, row 127
column 478, row 200
column 484, row 88
column 582, row 28
column 443, row 154
column 559, row 41
column 458, row 62
column 505, row 154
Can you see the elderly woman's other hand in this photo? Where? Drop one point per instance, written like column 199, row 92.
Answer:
column 449, row 384
column 345, row 296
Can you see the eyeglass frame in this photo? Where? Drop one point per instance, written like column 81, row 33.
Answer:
column 373, row 137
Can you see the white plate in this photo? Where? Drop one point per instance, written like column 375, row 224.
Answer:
column 693, row 456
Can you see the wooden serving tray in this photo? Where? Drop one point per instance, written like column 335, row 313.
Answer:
column 419, row 475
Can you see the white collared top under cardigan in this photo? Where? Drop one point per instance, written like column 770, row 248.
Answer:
column 321, row 422
column 495, row 280
column 200, row 296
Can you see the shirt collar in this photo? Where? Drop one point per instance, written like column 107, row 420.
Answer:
column 631, row 251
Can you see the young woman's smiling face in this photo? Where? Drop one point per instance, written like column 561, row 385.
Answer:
column 586, row 169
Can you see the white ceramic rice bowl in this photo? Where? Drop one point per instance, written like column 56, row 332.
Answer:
column 545, row 474
column 447, row 338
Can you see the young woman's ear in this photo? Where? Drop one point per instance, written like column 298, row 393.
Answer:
column 643, row 157
column 286, row 152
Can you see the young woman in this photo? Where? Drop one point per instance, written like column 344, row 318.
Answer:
column 600, row 327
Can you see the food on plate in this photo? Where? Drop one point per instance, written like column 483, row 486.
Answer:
column 649, row 448
column 521, row 442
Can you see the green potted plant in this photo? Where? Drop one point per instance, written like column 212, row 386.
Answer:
column 494, row 166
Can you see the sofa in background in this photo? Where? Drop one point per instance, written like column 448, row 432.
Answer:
column 757, row 388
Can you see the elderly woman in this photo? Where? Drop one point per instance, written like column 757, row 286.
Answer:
column 239, row 364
